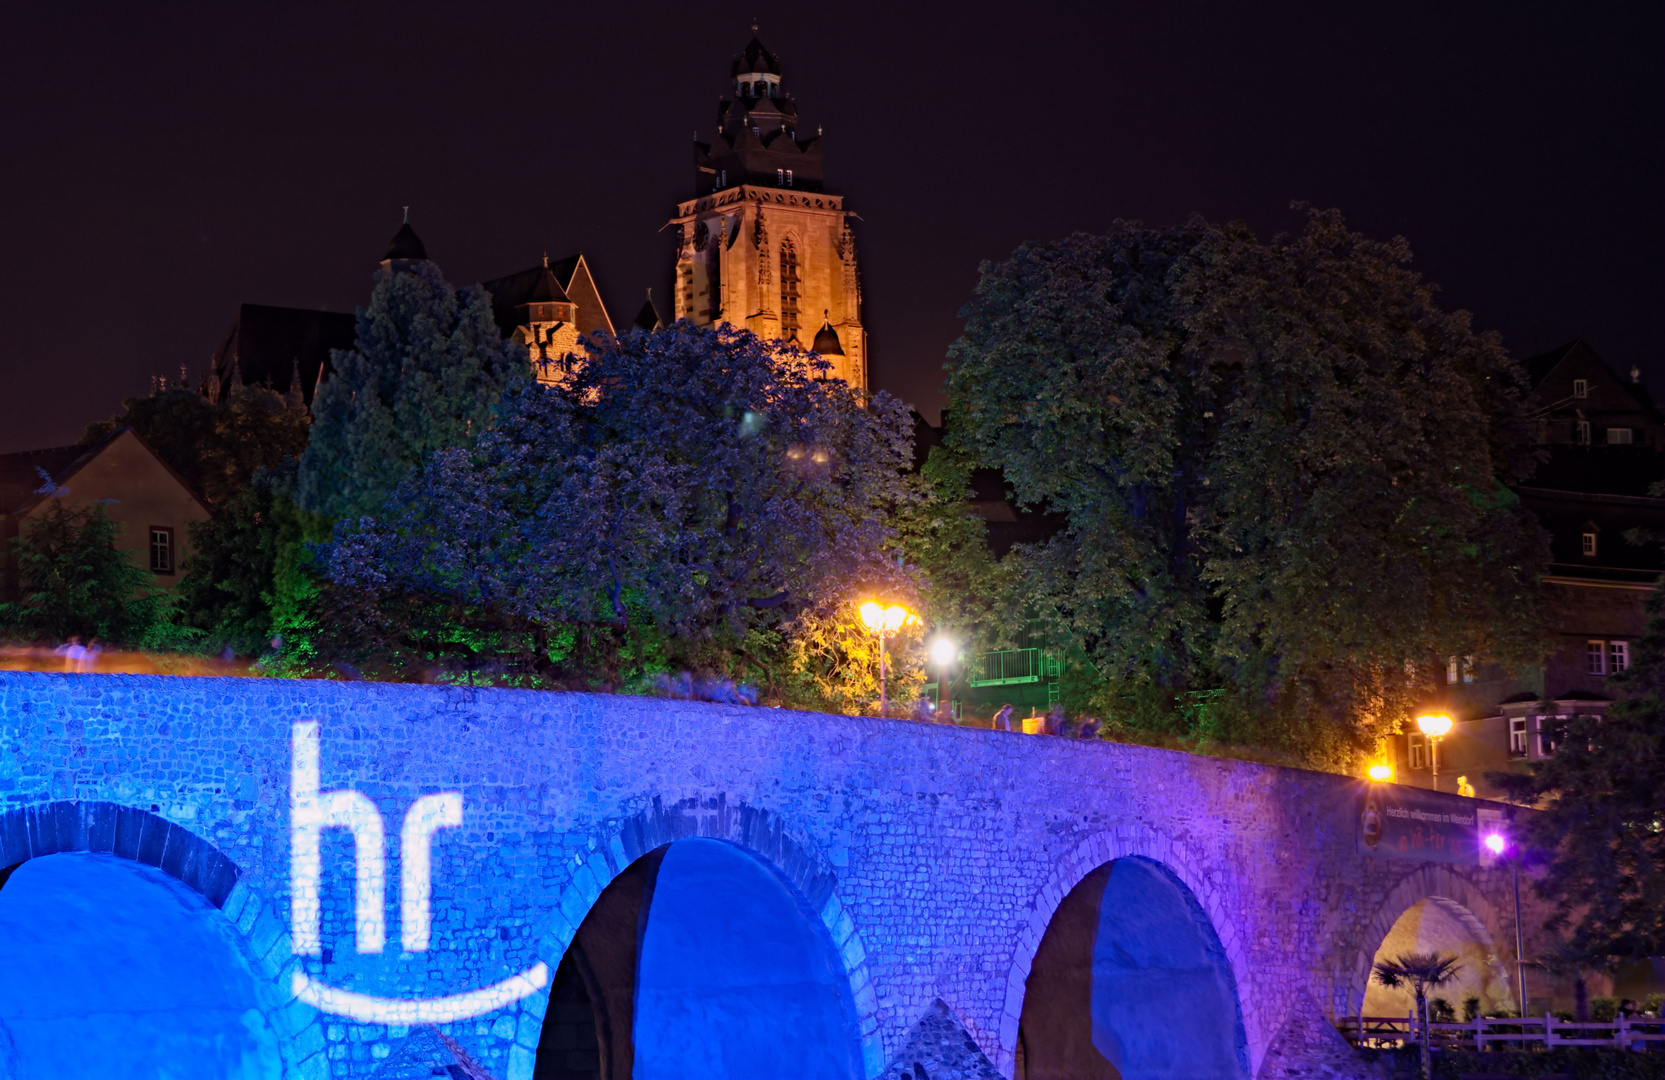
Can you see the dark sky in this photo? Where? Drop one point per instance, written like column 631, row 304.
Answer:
column 164, row 163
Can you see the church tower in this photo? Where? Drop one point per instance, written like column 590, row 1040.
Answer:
column 762, row 245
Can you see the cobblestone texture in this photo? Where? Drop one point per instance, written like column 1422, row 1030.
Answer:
column 934, row 856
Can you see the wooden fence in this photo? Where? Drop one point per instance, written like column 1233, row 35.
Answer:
column 1625, row 1033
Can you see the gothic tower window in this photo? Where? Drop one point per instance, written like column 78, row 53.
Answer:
column 788, row 291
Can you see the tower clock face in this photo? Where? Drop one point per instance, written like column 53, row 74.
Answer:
column 702, row 236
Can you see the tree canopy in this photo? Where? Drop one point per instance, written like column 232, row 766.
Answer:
column 1282, row 465
column 697, row 484
column 72, row 579
column 425, row 373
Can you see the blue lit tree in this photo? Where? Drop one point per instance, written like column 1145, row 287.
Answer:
column 692, row 486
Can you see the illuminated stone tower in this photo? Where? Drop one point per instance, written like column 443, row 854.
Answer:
column 762, row 245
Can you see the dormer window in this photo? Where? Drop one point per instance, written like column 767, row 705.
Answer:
column 789, row 184
column 1589, row 547
column 1581, row 388
column 780, row 177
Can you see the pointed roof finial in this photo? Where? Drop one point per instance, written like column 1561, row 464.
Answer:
column 546, row 260
column 407, row 215
column 754, row 24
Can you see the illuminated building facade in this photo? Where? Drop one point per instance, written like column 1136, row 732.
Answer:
column 762, row 245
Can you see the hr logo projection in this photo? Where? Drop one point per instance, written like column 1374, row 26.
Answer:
column 310, row 812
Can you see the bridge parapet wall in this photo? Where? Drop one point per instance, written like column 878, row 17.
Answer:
column 933, row 856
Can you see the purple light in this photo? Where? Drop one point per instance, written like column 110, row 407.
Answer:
column 1495, row 843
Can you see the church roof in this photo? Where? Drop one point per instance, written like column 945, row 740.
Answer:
column 647, row 318
column 826, row 341
column 558, row 280
column 405, row 245
column 756, row 59
column 268, row 345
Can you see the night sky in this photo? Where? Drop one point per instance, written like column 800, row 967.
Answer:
column 164, row 163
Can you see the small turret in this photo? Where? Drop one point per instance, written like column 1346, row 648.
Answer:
column 405, row 248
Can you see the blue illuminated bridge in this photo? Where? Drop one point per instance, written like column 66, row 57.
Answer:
column 251, row 878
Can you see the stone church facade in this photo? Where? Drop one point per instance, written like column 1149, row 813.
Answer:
column 762, row 245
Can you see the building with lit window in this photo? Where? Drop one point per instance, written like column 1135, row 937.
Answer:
column 1595, row 495
column 151, row 504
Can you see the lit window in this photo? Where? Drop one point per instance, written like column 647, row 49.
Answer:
column 1618, row 656
column 1517, row 736
column 1581, row 388
column 1583, row 434
column 1549, row 734
column 789, row 184
column 780, row 177
column 1417, row 751
column 1590, row 543
column 1619, row 436
column 161, row 550
column 1451, row 667
column 1595, row 658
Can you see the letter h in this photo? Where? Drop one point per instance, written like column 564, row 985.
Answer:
column 311, row 811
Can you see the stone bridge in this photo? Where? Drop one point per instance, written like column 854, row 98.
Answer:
column 261, row 878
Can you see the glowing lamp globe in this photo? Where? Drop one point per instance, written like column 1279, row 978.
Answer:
column 1495, row 843
column 943, row 651
column 1434, row 726
column 1381, row 773
column 873, row 616
column 895, row 616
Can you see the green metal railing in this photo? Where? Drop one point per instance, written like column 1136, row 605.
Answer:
column 1011, row 666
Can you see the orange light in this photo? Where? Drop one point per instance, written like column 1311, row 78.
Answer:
column 1381, row 773
column 1435, row 725
column 890, row 619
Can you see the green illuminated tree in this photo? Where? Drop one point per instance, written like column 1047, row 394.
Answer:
column 72, row 579
column 427, row 370
column 1283, row 469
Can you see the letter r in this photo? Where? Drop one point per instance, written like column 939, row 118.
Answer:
column 425, row 816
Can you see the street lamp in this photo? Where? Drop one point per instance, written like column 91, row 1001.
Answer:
column 1497, row 844
column 884, row 620
column 1435, row 726
column 944, row 651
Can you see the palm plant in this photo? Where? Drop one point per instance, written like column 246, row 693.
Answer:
column 1421, row 971
column 1566, row 960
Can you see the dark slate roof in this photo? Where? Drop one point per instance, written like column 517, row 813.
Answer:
column 756, row 58
column 826, row 341
column 569, row 276
column 20, row 477
column 1537, row 367
column 405, row 245
column 266, row 344
column 648, row 317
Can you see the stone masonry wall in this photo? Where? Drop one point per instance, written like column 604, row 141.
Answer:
column 934, row 856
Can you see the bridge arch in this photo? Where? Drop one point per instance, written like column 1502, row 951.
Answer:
column 1433, row 893
column 1163, row 862
column 153, row 917
column 621, row 849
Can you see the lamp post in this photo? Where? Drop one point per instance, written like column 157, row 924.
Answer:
column 1435, row 726
column 884, row 620
column 1497, row 844
column 944, row 651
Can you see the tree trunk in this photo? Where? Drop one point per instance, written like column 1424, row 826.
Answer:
column 1427, row 1055
column 1581, row 999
